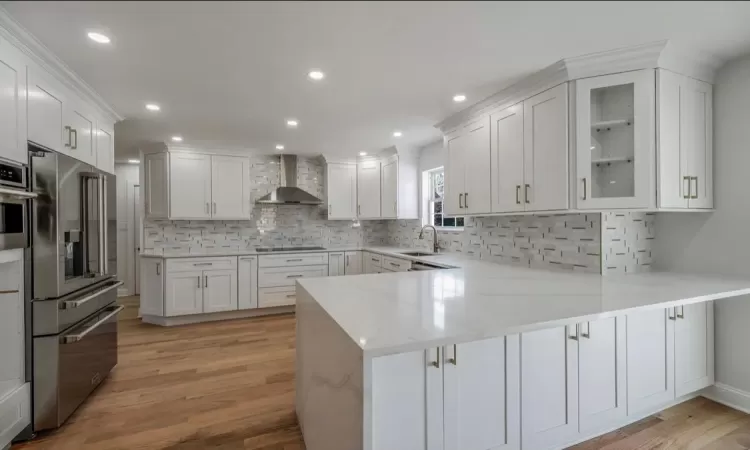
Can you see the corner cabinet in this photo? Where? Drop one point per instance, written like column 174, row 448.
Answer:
column 341, row 189
column 467, row 170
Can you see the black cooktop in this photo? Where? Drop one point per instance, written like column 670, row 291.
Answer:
column 287, row 249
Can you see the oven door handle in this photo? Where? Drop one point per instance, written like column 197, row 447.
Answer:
column 72, row 338
column 76, row 303
column 5, row 192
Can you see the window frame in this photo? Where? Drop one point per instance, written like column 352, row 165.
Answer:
column 430, row 203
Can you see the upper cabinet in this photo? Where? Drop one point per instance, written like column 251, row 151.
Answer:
column 341, row 189
column 45, row 112
column 12, row 104
column 615, row 140
column 105, row 146
column 368, row 189
column 190, row 185
column 467, row 170
column 80, row 128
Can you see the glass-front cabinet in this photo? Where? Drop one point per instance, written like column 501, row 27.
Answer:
column 615, row 139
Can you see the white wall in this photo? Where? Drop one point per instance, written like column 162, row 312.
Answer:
column 127, row 177
column 718, row 242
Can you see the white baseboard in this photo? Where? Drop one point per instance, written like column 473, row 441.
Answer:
column 211, row 317
column 729, row 396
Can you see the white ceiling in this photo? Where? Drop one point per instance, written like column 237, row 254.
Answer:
column 230, row 73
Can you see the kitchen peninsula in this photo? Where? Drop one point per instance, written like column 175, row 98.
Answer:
column 490, row 356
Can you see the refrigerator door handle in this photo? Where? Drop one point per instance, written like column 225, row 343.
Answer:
column 103, row 225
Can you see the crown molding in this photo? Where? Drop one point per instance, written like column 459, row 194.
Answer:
column 660, row 54
column 22, row 39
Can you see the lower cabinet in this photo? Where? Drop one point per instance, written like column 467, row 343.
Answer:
column 219, row 290
column 457, row 397
column 694, row 347
column 184, row 293
column 247, row 282
column 353, row 263
column 200, row 285
column 336, row 264
column 371, row 262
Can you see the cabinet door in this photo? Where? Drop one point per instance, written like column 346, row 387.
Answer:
column 545, row 141
column 694, row 347
column 189, row 186
column 406, row 401
column 184, row 293
column 105, row 147
column 615, row 138
column 12, row 324
column 506, row 143
column 549, row 398
column 650, row 356
column 336, row 264
column 696, row 137
column 368, row 189
column 478, row 192
column 342, row 191
column 219, row 290
column 152, row 287
column 247, row 282
column 601, row 374
column 81, row 122
column 455, row 174
column 389, row 189
column 353, row 263
column 230, row 187
column 13, row 143
column 481, row 401
column 45, row 113
column 156, row 180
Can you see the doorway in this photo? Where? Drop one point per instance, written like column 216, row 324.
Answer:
column 136, row 230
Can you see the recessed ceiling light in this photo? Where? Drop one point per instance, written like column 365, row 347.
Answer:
column 279, row 147
column 98, row 37
column 177, row 138
column 134, row 161
column 316, row 75
column 458, row 98
column 362, row 153
column 397, row 134
column 292, row 123
column 152, row 107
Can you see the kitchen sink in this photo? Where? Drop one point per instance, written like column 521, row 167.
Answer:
column 418, row 254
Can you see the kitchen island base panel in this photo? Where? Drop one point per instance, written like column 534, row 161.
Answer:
column 211, row 317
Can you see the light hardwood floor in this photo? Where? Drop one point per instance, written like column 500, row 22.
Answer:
column 230, row 385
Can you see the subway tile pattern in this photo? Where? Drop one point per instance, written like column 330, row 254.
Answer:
column 565, row 242
column 627, row 239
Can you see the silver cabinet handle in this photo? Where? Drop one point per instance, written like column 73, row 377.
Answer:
column 375, row 260
column 248, row 259
column 158, row 268
column 76, row 303
column 395, row 264
column 681, row 314
column 295, row 276
column 67, row 128
column 669, row 313
column 294, row 260
column 205, row 280
column 466, row 199
column 199, row 282
column 587, row 334
column 214, row 210
column 585, row 196
column 689, row 186
column 436, row 363
column 518, row 192
column 329, row 210
column 575, row 335
column 202, row 264
column 526, row 193
column 291, row 295
column 347, row 260
column 460, row 197
column 359, row 209
column 394, row 207
column 207, row 211
column 454, row 360
column 696, row 188
column 74, row 132
column 72, row 338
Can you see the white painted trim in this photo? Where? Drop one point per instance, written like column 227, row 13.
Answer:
column 729, row 396
column 211, row 317
column 22, row 39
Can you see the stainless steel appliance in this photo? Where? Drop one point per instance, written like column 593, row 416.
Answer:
column 14, row 198
column 288, row 193
column 74, row 248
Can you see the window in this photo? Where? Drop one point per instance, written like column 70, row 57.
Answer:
column 435, row 183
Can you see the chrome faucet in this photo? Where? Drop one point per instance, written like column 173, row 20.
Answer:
column 435, row 246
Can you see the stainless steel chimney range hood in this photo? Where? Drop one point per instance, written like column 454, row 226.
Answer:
column 288, row 193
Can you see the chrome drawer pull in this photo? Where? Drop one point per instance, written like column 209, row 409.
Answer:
column 76, row 303
column 294, row 260
column 295, row 276
column 203, row 264
column 71, row 338
column 291, row 295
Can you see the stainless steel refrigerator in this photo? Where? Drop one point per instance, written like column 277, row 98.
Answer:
column 74, row 289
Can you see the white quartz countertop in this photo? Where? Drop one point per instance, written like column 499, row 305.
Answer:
column 389, row 251
column 476, row 300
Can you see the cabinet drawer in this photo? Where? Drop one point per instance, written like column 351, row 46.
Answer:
column 395, row 264
column 293, row 259
column 190, row 264
column 286, row 276
column 373, row 259
column 276, row 296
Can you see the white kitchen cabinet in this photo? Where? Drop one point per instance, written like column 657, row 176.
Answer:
column 230, row 187
column 219, row 290
column 80, row 121
column 371, row 262
column 694, row 347
column 615, row 140
column 45, row 112
column 651, row 359
column 152, row 287
column 389, row 188
column 353, row 263
column 105, row 146
column 549, row 395
column 368, row 189
column 507, row 159
column 189, row 185
column 13, row 127
column 12, row 324
column 685, row 156
column 467, row 172
column 545, row 123
column 336, row 264
column 269, row 297
column 293, row 259
column 288, row 276
column 247, row 282
column 184, row 293
column 156, row 185
column 341, row 188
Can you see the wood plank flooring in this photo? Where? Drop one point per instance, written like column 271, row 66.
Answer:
column 230, row 385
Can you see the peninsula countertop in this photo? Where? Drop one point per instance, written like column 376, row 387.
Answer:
column 405, row 311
